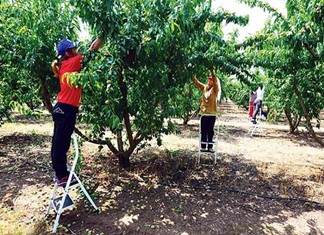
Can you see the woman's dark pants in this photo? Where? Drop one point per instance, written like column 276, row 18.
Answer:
column 207, row 130
column 64, row 117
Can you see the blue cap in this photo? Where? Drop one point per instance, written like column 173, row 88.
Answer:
column 64, row 45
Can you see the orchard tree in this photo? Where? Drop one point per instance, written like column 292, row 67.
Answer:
column 290, row 48
column 29, row 31
column 154, row 48
column 213, row 51
column 185, row 102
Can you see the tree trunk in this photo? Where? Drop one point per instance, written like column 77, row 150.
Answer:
column 124, row 160
column 290, row 121
column 186, row 118
column 293, row 121
column 308, row 121
column 46, row 98
column 123, row 156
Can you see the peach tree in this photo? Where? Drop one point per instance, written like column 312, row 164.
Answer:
column 154, row 48
column 290, row 50
column 29, row 31
column 151, row 50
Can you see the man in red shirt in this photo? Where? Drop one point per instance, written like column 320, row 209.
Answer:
column 65, row 110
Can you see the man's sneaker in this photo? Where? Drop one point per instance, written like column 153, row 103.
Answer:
column 62, row 181
column 254, row 121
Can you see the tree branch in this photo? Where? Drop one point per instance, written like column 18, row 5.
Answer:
column 316, row 57
column 98, row 141
column 171, row 54
column 46, row 98
column 111, row 146
column 86, row 138
column 138, row 138
column 123, row 90
column 308, row 121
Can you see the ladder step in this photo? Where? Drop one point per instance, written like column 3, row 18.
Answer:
column 207, row 152
column 67, row 203
column 73, row 183
column 204, row 142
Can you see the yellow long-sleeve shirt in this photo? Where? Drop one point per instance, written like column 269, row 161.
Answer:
column 208, row 103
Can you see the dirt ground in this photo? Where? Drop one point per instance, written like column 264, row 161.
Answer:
column 271, row 183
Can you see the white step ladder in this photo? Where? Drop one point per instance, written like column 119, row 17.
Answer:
column 56, row 202
column 214, row 142
column 257, row 127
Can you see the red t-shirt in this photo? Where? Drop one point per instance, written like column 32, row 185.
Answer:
column 70, row 94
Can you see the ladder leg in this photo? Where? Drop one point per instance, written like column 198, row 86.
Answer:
column 59, row 212
column 252, row 129
column 88, row 196
column 51, row 199
column 85, row 191
column 216, row 139
column 56, row 222
column 199, row 144
column 73, row 168
column 216, row 149
column 62, row 201
column 249, row 132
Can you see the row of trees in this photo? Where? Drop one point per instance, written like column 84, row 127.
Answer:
column 290, row 50
column 156, row 46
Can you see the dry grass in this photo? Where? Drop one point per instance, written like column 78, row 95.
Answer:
column 260, row 185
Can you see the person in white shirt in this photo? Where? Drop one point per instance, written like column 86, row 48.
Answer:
column 257, row 102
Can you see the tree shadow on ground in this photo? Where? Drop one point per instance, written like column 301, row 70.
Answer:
column 20, row 155
column 302, row 139
column 230, row 133
column 305, row 139
column 172, row 194
column 166, row 192
column 32, row 119
column 190, row 131
column 226, row 132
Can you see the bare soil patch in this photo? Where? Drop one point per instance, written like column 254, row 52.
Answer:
column 272, row 183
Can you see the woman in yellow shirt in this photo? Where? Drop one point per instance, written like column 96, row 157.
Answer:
column 208, row 108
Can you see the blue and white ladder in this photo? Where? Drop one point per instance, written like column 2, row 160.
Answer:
column 64, row 201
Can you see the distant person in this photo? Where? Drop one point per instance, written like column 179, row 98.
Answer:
column 264, row 112
column 252, row 98
column 208, row 108
column 257, row 102
column 68, row 101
